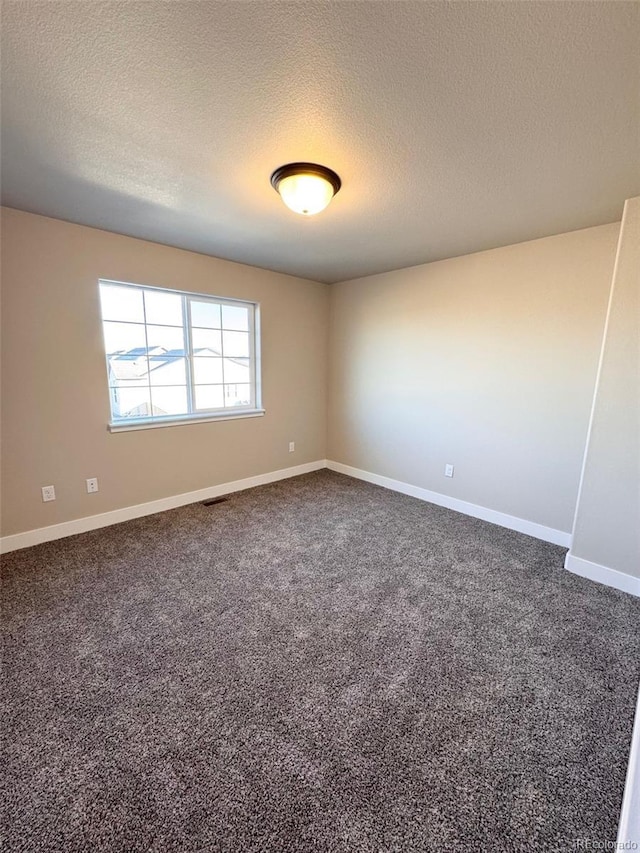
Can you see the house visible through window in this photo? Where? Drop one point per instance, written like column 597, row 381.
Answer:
column 175, row 356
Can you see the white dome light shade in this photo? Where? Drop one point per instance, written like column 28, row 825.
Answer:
column 305, row 188
column 307, row 194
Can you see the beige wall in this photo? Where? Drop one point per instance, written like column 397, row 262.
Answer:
column 487, row 361
column 607, row 523
column 55, row 402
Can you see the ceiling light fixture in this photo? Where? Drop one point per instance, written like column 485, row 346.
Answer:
column 305, row 187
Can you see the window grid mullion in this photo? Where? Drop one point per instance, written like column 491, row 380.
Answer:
column 146, row 346
column 189, row 367
column 224, row 387
column 252, row 359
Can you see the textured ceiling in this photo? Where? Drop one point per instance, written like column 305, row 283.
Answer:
column 455, row 127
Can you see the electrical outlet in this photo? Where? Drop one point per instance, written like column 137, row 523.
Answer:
column 92, row 485
column 448, row 470
column 292, row 446
column 48, row 493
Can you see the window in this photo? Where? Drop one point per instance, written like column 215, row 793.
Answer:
column 175, row 357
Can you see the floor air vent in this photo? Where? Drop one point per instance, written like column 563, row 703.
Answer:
column 215, row 501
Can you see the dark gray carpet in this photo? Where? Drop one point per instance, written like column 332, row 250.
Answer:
column 315, row 665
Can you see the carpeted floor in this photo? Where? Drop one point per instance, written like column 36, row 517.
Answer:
column 314, row 665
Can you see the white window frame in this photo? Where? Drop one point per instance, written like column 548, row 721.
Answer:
column 254, row 410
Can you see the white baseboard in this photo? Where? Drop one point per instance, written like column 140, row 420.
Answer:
column 593, row 571
column 602, row 574
column 539, row 531
column 629, row 826
column 104, row 519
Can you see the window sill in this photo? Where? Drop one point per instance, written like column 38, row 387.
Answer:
column 156, row 423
